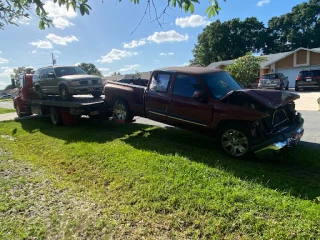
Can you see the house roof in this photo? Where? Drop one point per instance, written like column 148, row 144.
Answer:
column 272, row 58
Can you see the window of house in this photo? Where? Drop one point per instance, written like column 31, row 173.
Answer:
column 185, row 85
column 160, row 82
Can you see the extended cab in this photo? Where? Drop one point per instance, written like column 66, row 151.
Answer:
column 210, row 101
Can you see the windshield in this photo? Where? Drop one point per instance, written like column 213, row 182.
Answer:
column 63, row 71
column 220, row 83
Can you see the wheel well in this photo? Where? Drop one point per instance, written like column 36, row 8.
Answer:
column 62, row 85
column 224, row 123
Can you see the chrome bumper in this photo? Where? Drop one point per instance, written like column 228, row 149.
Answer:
column 287, row 138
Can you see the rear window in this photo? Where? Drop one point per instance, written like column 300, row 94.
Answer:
column 270, row 76
column 313, row 73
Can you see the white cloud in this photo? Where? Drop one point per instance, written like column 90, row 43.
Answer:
column 262, row 2
column 24, row 20
column 62, row 23
column 42, row 44
column 34, row 51
column 59, row 14
column 3, row 60
column 169, row 36
column 0, row 52
column 116, row 54
column 192, row 21
column 134, row 43
column 62, row 40
column 4, row 67
column 7, row 72
column 127, row 68
column 77, row 64
column 165, row 54
column 103, row 69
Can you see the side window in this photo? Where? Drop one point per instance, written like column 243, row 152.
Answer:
column 160, row 82
column 185, row 85
column 50, row 70
column 43, row 73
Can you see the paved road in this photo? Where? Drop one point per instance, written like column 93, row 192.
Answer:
column 8, row 105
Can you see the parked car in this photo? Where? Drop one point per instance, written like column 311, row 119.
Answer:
column 135, row 81
column 66, row 81
column 307, row 79
column 6, row 96
column 211, row 102
column 274, row 81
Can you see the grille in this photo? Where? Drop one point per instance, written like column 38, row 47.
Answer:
column 84, row 82
column 94, row 81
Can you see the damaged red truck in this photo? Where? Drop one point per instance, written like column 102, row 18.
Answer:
column 209, row 101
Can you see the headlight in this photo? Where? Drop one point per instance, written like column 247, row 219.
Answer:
column 75, row 83
column 99, row 81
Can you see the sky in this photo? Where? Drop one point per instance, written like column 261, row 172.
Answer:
column 112, row 39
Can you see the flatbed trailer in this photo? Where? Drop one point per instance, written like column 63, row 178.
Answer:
column 60, row 112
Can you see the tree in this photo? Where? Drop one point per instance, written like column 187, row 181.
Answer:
column 20, row 70
column 299, row 28
column 115, row 73
column 11, row 11
column 228, row 40
column 90, row 68
column 245, row 68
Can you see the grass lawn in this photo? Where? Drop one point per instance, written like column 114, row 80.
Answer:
column 5, row 110
column 133, row 181
column 6, row 100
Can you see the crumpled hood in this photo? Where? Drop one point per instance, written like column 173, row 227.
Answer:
column 79, row 77
column 269, row 98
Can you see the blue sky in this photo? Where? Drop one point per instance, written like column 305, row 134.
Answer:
column 104, row 37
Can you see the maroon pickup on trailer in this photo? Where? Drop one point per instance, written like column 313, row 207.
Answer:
column 60, row 112
column 209, row 101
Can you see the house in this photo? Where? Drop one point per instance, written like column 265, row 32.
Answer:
column 288, row 63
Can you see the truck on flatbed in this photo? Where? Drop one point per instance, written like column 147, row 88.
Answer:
column 60, row 111
column 209, row 101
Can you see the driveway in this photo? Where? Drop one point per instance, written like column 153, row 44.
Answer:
column 308, row 101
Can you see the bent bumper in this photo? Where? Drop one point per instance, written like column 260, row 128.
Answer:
column 288, row 137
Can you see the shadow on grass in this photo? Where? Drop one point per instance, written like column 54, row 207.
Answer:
column 295, row 171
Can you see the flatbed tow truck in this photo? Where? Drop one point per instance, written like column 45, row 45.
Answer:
column 60, row 112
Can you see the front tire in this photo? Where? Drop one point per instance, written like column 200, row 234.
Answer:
column 121, row 111
column 64, row 93
column 234, row 140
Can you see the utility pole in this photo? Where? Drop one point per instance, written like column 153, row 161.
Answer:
column 53, row 60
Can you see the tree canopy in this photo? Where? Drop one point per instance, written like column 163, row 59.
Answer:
column 90, row 68
column 11, row 11
column 228, row 40
column 245, row 68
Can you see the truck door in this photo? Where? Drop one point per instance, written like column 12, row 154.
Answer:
column 51, row 81
column 185, row 110
column 156, row 97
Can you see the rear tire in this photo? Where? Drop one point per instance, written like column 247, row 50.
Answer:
column 121, row 111
column 287, row 87
column 64, row 93
column 234, row 140
column 55, row 116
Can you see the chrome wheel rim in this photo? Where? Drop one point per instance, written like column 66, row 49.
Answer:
column 235, row 143
column 120, row 111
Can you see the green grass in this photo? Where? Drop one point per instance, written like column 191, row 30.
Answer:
column 6, row 100
column 5, row 110
column 135, row 181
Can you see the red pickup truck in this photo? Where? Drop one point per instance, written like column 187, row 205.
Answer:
column 211, row 102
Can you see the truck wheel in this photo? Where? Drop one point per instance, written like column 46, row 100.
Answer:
column 234, row 139
column 18, row 111
column 39, row 93
column 55, row 116
column 64, row 93
column 121, row 111
column 96, row 94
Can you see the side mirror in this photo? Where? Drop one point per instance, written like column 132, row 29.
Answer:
column 51, row 75
column 200, row 96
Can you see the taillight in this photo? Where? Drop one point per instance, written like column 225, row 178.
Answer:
column 298, row 78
